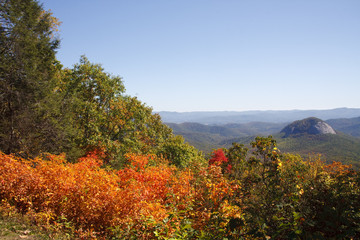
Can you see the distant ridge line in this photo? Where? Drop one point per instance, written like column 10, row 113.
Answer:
column 276, row 116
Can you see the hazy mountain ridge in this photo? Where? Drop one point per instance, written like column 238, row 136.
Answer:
column 274, row 116
column 350, row 126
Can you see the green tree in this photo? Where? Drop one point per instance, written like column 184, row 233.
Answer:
column 180, row 153
column 104, row 117
column 28, row 78
column 89, row 92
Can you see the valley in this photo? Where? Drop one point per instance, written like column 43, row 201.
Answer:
column 343, row 146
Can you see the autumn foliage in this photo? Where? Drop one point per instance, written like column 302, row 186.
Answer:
column 218, row 158
column 265, row 195
column 138, row 180
column 96, row 201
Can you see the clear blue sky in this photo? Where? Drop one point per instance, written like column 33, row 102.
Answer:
column 219, row 55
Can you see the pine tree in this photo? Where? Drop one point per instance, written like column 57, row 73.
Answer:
column 28, row 69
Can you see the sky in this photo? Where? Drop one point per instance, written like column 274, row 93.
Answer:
column 220, row 55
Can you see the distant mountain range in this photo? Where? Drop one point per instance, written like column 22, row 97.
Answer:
column 207, row 137
column 273, row 116
column 343, row 146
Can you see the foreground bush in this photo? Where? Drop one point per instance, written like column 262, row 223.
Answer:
column 91, row 199
column 285, row 197
column 242, row 194
column 148, row 198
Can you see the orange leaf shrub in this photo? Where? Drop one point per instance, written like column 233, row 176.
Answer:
column 93, row 199
column 214, row 208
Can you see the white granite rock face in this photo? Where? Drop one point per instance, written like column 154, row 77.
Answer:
column 324, row 128
column 310, row 125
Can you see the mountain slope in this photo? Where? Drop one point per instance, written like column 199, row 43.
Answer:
column 340, row 147
column 314, row 136
column 350, row 126
column 208, row 137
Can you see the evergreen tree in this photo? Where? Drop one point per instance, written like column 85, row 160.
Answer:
column 28, row 78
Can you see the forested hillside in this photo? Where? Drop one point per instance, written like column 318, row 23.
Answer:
column 209, row 137
column 350, row 126
column 342, row 147
column 81, row 159
column 313, row 136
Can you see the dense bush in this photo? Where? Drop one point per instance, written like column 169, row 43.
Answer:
column 265, row 194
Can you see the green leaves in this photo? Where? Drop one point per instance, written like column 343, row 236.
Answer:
column 28, row 74
column 179, row 153
column 104, row 117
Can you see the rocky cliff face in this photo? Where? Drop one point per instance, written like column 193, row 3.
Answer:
column 311, row 126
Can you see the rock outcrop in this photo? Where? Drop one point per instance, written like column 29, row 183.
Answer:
column 312, row 126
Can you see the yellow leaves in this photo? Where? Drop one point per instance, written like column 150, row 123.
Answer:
column 300, row 190
column 337, row 168
column 53, row 22
column 230, row 211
